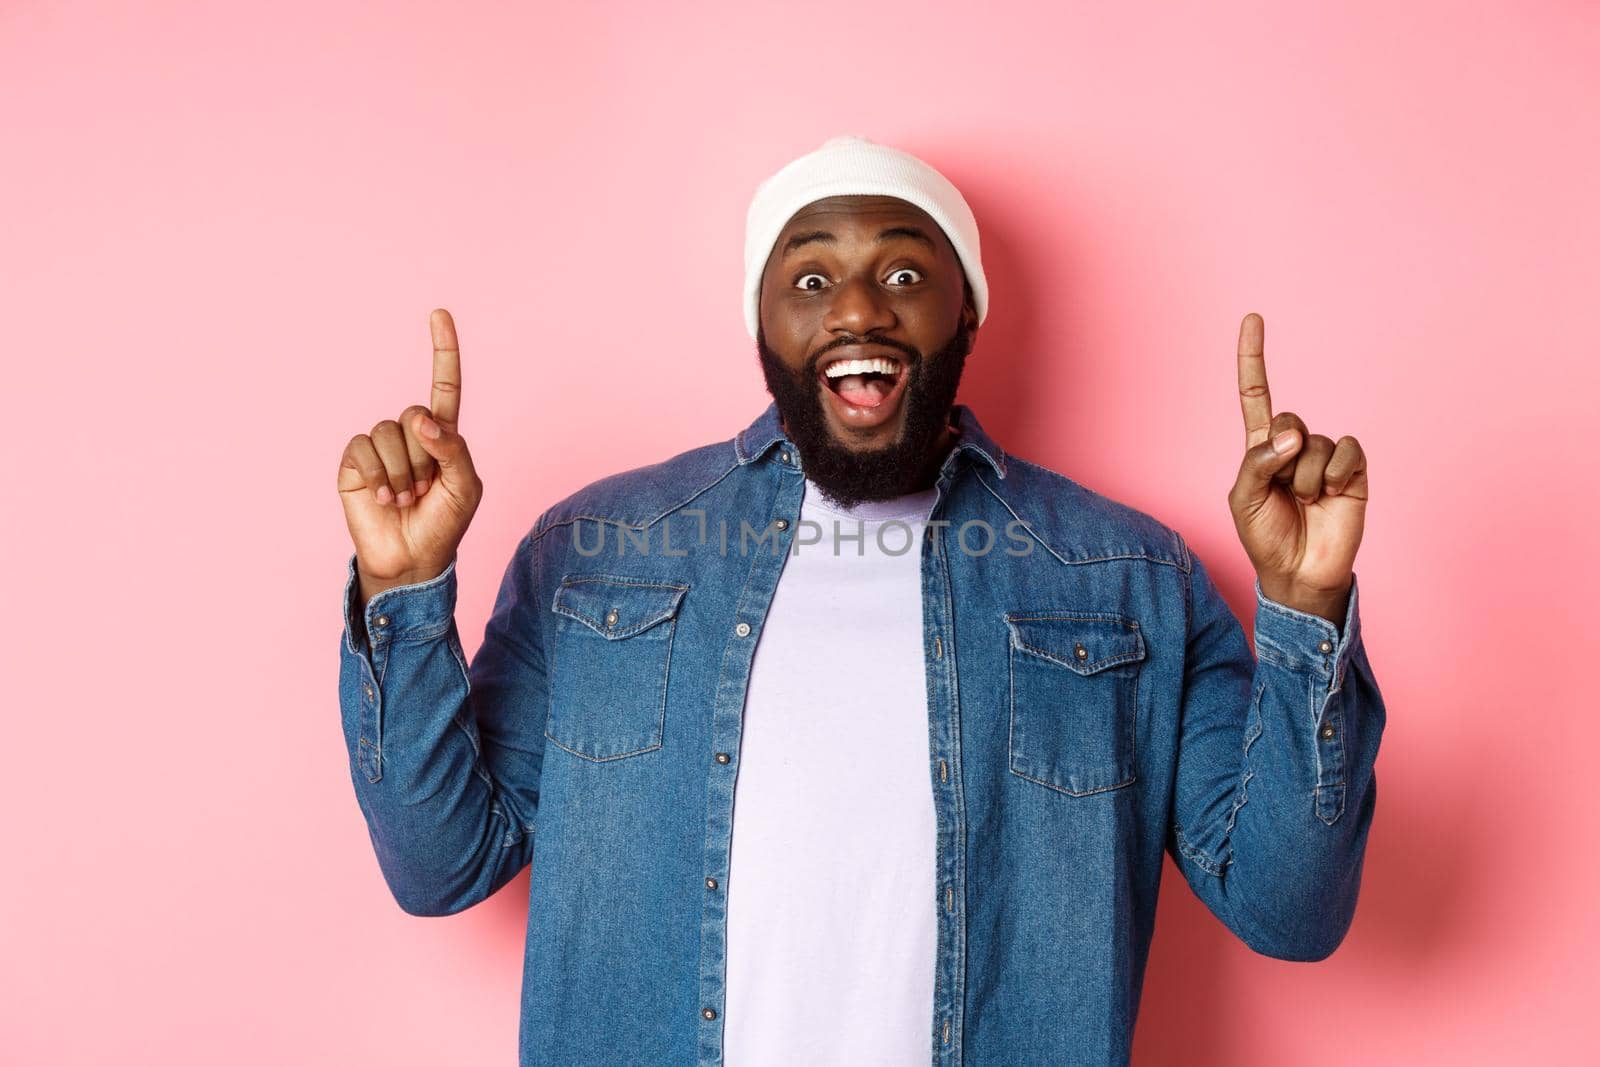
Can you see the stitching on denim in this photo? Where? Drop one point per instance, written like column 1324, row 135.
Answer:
column 417, row 635
column 1011, row 750
column 1011, row 733
column 1049, row 547
column 1240, row 799
column 1058, row 615
column 1130, row 626
column 599, row 759
column 745, row 453
column 1322, row 716
column 1242, row 796
column 1185, row 557
column 401, row 592
column 661, row 714
column 1201, row 860
column 1270, row 651
column 352, row 614
column 1090, row 492
column 1134, row 727
column 544, row 525
column 1258, row 727
column 1340, row 736
column 376, row 759
column 621, row 579
column 1329, row 820
column 571, row 581
column 1269, row 654
column 466, row 680
column 1273, row 607
column 1070, row 792
column 1341, row 665
column 470, row 729
column 950, row 981
column 1086, row 669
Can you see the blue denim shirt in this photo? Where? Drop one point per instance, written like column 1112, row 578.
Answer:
column 1093, row 704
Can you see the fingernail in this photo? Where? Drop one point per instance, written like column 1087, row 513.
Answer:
column 1284, row 441
column 428, row 428
column 384, row 494
column 405, row 497
column 421, row 486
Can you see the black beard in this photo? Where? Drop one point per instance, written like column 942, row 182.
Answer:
column 849, row 476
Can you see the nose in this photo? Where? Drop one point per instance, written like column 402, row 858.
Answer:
column 860, row 308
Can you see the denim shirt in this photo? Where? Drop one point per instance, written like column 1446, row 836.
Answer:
column 1093, row 705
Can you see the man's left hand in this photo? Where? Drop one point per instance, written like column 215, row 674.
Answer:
column 1300, row 501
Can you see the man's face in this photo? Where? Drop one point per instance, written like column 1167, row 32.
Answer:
column 850, row 280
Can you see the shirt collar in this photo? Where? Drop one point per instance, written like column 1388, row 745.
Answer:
column 755, row 440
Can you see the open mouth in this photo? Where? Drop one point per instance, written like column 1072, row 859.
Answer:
column 863, row 383
column 865, row 390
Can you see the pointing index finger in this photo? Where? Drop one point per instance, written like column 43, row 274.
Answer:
column 446, row 400
column 1255, row 401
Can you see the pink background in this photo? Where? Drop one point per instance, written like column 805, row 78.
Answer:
column 222, row 235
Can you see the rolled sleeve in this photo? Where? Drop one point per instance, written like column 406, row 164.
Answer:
column 414, row 612
column 1303, row 641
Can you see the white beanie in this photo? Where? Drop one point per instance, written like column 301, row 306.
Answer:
column 852, row 166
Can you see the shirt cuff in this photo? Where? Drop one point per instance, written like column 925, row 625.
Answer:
column 416, row 611
column 1305, row 641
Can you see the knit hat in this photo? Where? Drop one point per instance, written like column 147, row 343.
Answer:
column 849, row 165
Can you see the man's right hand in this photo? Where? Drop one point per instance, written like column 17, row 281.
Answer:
column 408, row 487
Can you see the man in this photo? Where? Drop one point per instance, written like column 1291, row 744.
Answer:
column 855, row 738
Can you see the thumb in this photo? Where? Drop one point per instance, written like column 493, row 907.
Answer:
column 449, row 450
column 1260, row 464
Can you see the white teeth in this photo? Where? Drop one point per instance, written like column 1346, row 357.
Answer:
column 842, row 368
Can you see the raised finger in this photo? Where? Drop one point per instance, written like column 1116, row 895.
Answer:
column 1255, row 401
column 421, row 463
column 446, row 402
column 391, row 446
column 1309, row 466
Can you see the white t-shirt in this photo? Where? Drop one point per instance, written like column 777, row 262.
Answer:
column 832, row 910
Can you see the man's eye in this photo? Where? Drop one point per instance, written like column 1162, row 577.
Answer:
column 800, row 282
column 906, row 270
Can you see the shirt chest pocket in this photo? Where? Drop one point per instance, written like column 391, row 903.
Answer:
column 609, row 661
column 1074, row 699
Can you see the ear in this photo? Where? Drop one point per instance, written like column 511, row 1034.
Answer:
column 969, row 310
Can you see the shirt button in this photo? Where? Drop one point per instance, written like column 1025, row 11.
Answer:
column 367, row 689
column 722, row 757
column 782, row 524
column 709, row 1013
column 743, row 629
column 784, row 456
column 1327, row 731
column 1325, row 646
column 711, row 883
column 611, row 617
column 382, row 620
column 1082, row 653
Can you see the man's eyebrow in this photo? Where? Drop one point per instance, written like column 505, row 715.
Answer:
column 824, row 237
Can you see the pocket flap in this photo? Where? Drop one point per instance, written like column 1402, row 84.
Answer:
column 615, row 607
column 1085, row 642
